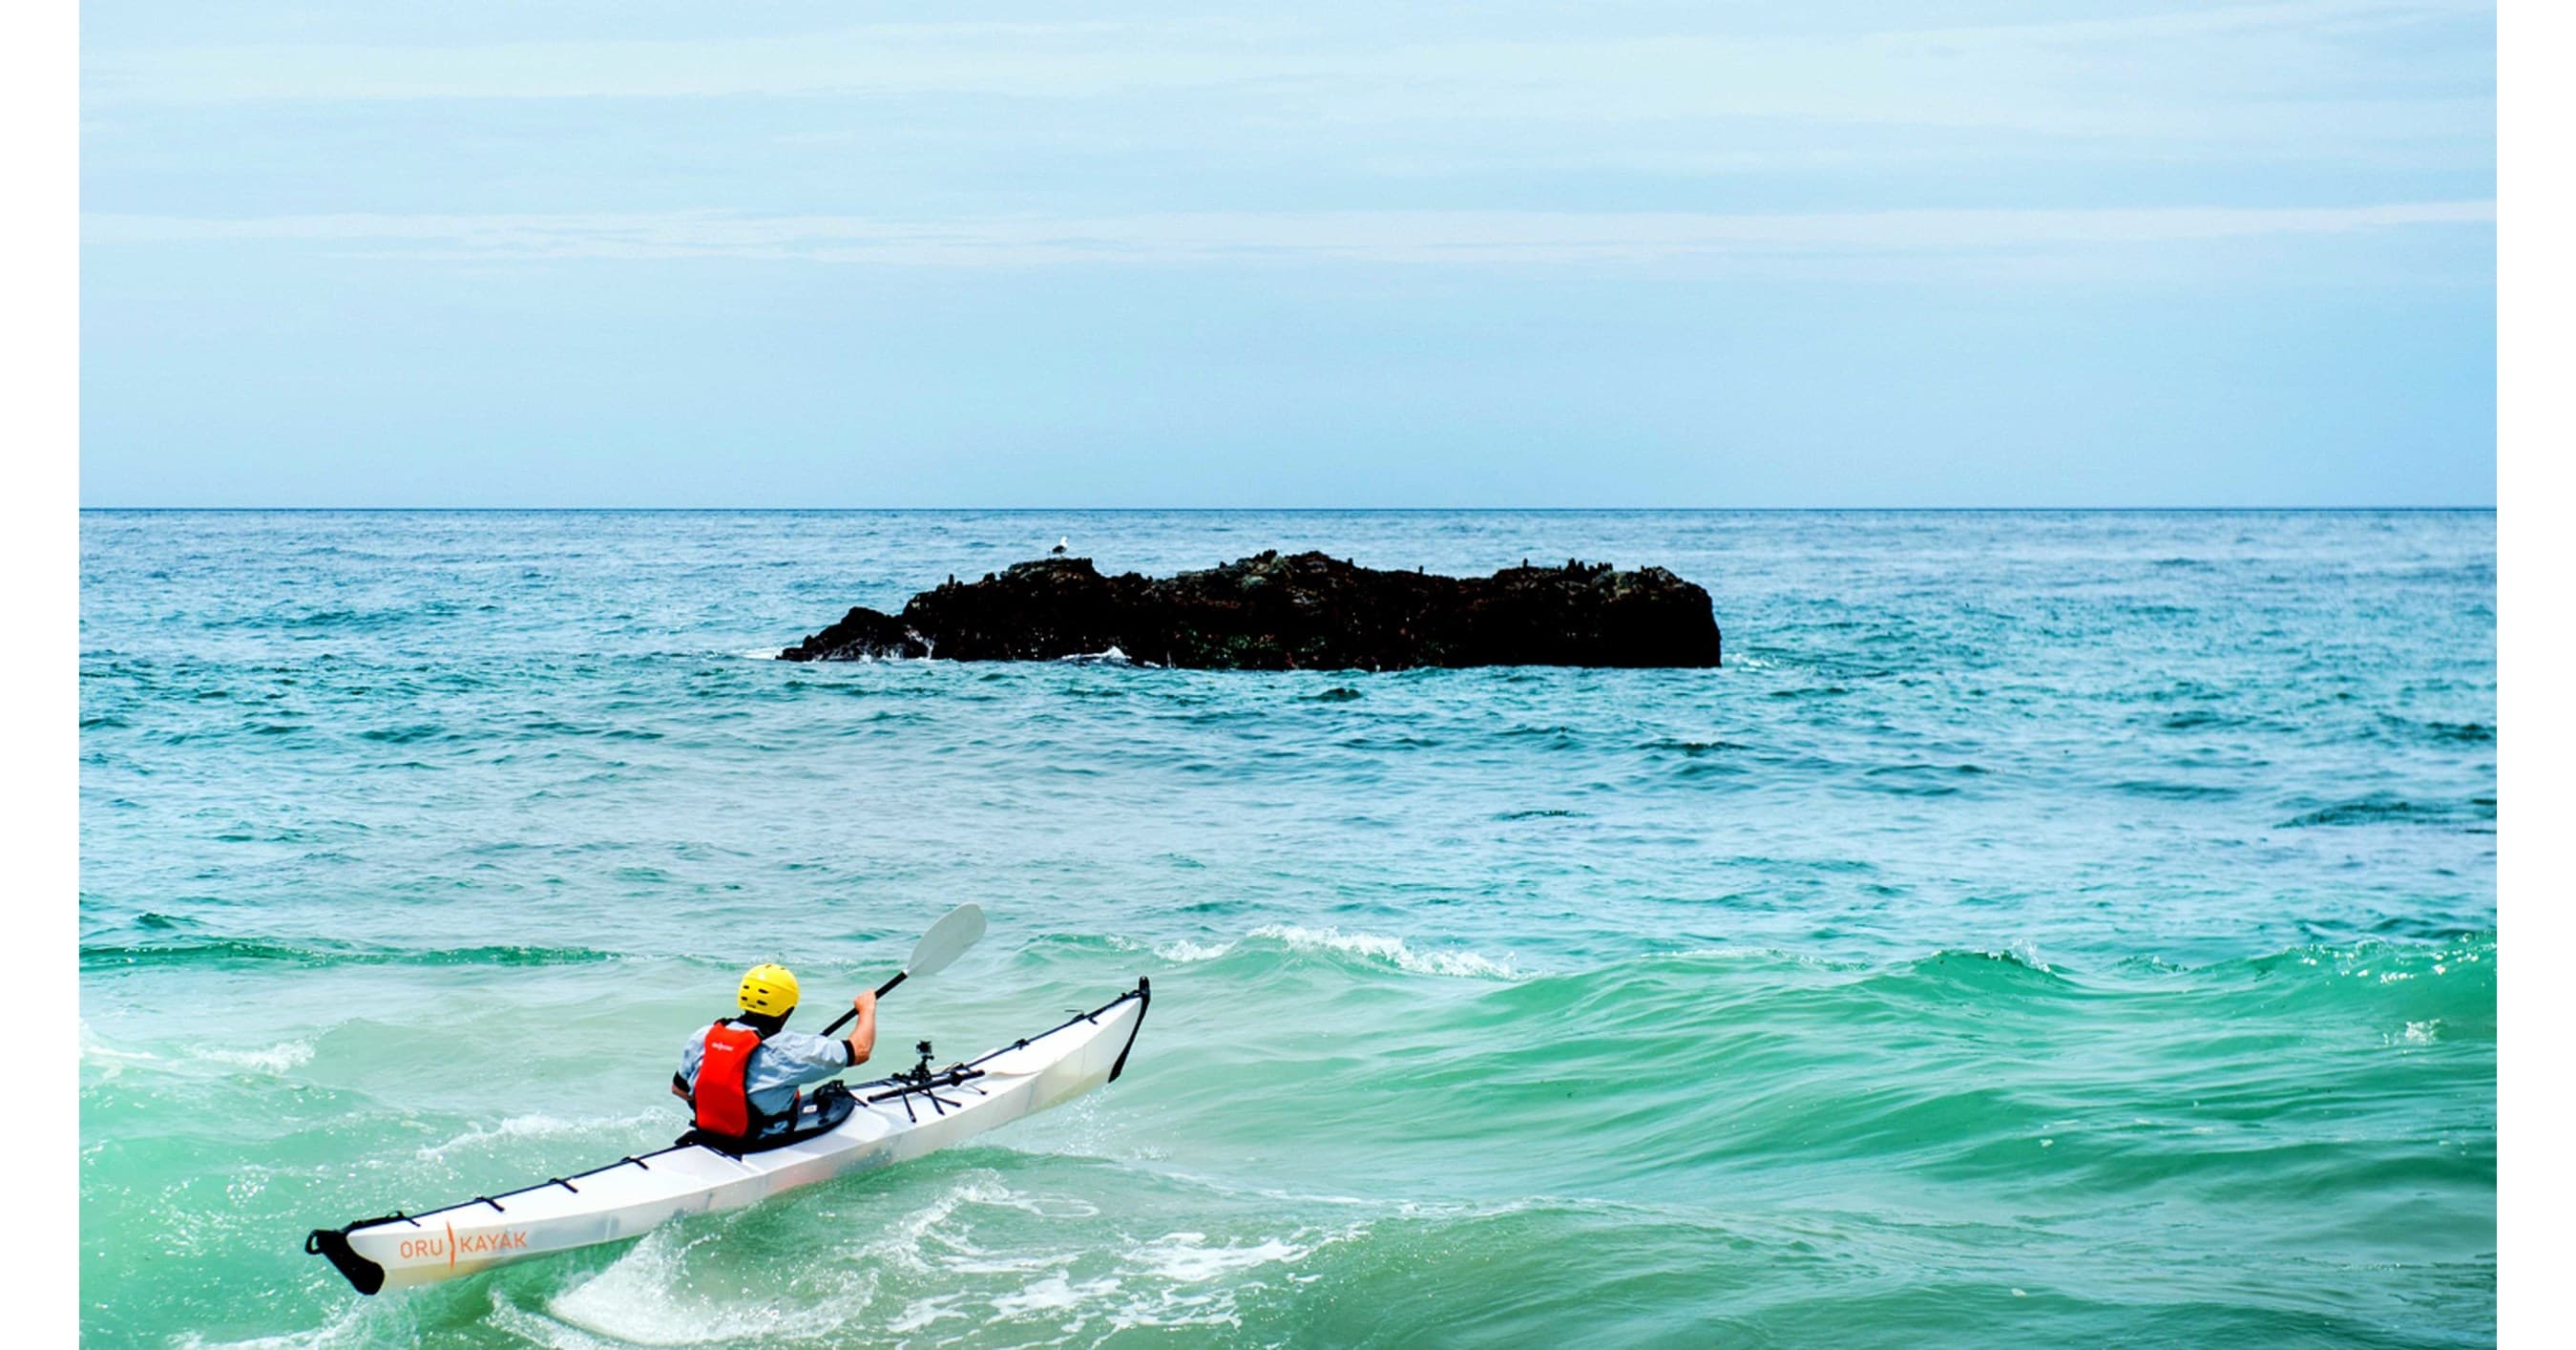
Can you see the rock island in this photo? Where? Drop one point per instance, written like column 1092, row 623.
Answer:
column 1303, row 611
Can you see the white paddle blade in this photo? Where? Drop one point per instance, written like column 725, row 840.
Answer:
column 945, row 940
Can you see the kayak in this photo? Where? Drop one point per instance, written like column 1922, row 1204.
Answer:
column 888, row 1121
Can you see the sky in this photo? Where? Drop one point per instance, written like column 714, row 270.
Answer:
column 1623, row 253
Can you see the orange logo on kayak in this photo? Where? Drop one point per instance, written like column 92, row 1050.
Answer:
column 472, row 1244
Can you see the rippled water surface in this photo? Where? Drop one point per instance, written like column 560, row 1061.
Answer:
column 2046, row 929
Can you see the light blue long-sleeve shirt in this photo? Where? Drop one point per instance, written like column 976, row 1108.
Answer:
column 776, row 1068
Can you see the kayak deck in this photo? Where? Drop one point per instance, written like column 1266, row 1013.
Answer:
column 896, row 1119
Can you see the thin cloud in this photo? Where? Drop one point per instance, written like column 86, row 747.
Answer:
column 1409, row 237
column 879, row 59
column 2211, row 71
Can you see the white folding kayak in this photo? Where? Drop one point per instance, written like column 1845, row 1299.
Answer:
column 889, row 1121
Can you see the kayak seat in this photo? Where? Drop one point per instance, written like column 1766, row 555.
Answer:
column 818, row 1114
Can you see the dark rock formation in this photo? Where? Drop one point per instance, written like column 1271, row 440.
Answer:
column 1306, row 612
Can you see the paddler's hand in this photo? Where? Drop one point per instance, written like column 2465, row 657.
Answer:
column 863, row 1028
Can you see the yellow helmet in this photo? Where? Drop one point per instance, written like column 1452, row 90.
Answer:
column 769, row 990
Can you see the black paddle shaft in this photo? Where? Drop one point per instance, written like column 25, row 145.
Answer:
column 882, row 990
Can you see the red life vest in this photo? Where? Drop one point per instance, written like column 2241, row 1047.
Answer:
column 720, row 1098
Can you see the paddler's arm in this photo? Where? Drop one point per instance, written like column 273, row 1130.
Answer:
column 690, row 1054
column 862, row 1041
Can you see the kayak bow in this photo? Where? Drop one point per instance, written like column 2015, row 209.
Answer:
column 896, row 1119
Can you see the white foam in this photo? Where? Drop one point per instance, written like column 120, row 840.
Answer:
column 1183, row 1280
column 1393, row 951
column 1052, row 1294
column 358, row 1324
column 539, row 1126
column 1186, row 1258
column 1182, row 951
column 923, row 1312
column 293, row 1340
column 109, row 1059
column 274, row 1059
column 906, row 1245
column 643, row 1298
column 1043, row 1289
column 974, row 1261
column 538, row 1329
column 759, row 654
column 923, row 1278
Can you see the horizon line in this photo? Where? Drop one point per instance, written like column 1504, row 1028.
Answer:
column 1269, row 510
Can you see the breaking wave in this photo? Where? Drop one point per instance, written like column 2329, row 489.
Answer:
column 1392, row 951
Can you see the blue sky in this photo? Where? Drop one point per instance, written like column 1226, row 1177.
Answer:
column 1141, row 254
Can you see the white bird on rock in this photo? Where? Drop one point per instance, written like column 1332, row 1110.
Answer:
column 1061, row 541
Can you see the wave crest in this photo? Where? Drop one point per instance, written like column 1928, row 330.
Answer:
column 1392, row 951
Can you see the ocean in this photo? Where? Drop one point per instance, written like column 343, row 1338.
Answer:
column 2045, row 929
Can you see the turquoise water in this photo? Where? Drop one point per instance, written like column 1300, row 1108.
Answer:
column 2046, row 929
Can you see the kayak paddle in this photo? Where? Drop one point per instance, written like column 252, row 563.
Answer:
column 945, row 941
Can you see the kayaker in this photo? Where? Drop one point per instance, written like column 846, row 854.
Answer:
column 740, row 1074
